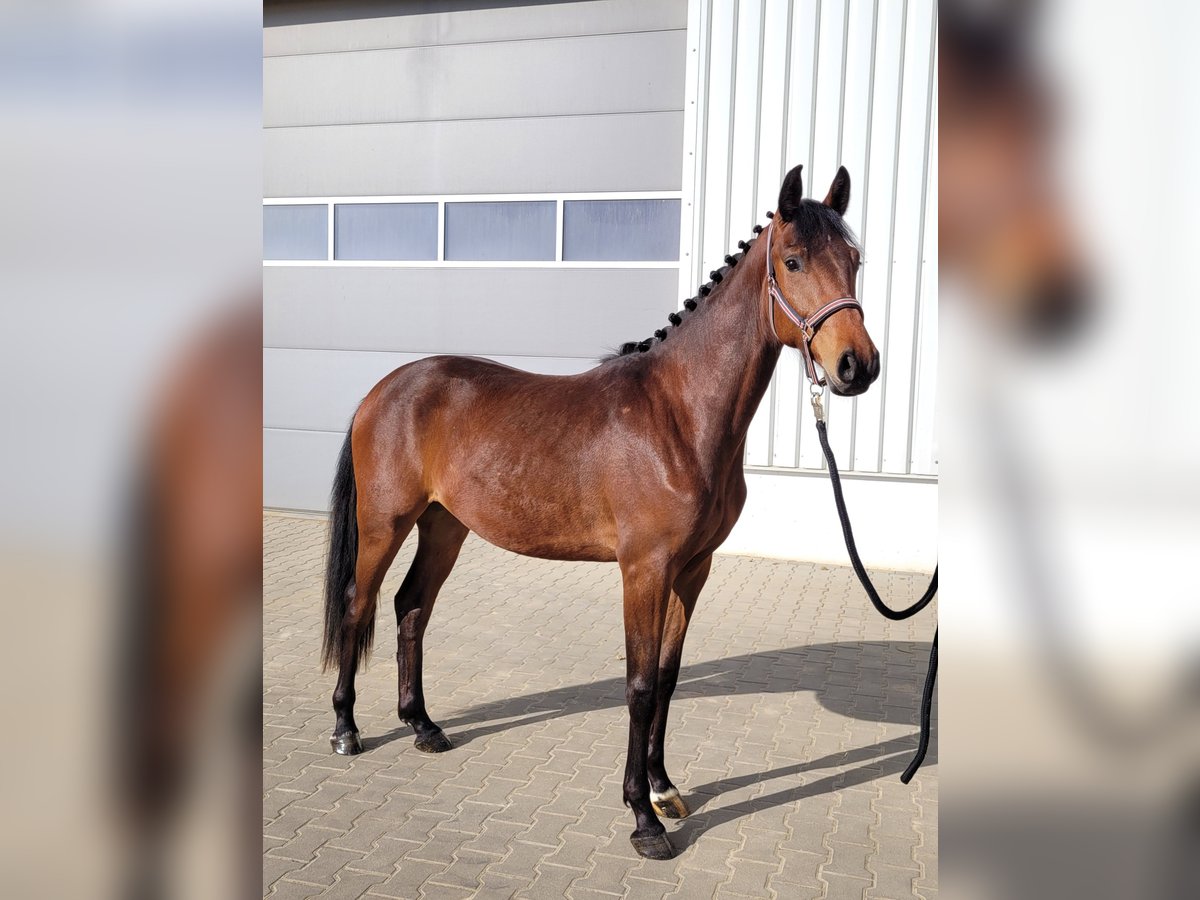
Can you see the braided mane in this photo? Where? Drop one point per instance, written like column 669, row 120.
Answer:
column 676, row 318
column 811, row 221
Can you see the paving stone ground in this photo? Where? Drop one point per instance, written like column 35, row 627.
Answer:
column 795, row 713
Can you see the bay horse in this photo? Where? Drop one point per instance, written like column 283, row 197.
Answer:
column 637, row 461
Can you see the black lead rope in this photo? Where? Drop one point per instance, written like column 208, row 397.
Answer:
column 807, row 325
column 884, row 610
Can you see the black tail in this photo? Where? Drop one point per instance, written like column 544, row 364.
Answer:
column 343, row 555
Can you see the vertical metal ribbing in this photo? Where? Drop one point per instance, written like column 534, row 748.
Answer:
column 762, row 35
column 841, row 134
column 692, row 141
column 842, row 94
column 812, row 114
column 787, row 100
column 801, row 391
column 881, row 248
column 866, row 206
column 840, row 149
column 912, row 374
column 702, row 99
column 772, row 399
column 887, row 313
column 733, row 58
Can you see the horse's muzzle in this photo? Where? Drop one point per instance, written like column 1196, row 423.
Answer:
column 853, row 374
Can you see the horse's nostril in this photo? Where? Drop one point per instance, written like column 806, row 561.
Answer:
column 873, row 366
column 847, row 367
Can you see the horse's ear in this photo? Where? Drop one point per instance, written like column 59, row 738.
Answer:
column 839, row 191
column 790, row 194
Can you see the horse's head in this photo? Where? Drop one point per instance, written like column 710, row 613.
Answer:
column 815, row 259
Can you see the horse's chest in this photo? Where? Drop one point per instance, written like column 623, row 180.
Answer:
column 724, row 505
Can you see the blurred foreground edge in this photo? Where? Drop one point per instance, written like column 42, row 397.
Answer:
column 188, row 687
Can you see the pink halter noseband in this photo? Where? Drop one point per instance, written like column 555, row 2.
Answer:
column 808, row 325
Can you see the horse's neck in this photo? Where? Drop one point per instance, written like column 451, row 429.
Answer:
column 724, row 359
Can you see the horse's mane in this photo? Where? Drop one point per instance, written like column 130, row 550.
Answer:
column 811, row 220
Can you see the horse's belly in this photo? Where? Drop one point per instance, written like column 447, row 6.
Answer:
column 545, row 526
column 550, row 546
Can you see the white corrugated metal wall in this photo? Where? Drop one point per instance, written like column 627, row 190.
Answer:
column 773, row 83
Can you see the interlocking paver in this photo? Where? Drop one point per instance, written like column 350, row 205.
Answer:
column 351, row 885
column 304, row 844
column 697, row 882
column 609, row 873
column 794, row 715
column 750, row 878
column 406, row 881
column 554, row 881
column 384, row 856
column 844, row 887
column 294, row 890
column 893, row 883
column 275, row 868
column 329, row 861
column 494, row 886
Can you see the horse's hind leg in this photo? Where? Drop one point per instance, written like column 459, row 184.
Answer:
column 377, row 547
column 663, row 794
column 440, row 537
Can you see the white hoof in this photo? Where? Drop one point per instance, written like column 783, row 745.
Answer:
column 669, row 804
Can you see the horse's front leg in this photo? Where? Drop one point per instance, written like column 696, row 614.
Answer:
column 663, row 794
column 647, row 587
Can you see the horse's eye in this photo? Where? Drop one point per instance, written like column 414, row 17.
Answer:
column 792, row 264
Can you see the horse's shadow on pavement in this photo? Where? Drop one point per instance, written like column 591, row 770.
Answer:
column 882, row 759
column 877, row 681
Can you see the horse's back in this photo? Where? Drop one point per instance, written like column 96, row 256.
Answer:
column 470, row 374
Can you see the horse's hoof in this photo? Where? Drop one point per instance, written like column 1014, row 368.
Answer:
column 654, row 846
column 669, row 805
column 346, row 744
column 433, row 742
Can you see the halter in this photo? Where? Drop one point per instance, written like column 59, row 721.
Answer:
column 808, row 325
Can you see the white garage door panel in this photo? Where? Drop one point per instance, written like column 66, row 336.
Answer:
column 298, row 468
column 340, row 25
column 480, row 312
column 626, row 152
column 626, row 73
column 318, row 390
